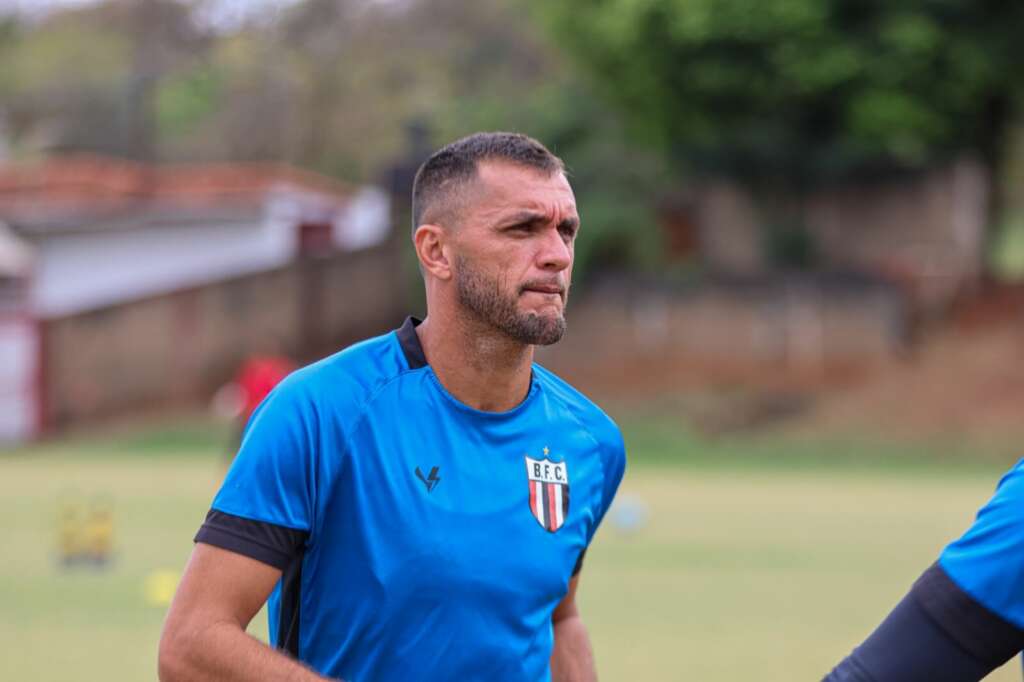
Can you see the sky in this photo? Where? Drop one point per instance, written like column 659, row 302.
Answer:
column 221, row 13
column 30, row 7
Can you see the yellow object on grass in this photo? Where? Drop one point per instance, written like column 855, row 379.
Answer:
column 160, row 586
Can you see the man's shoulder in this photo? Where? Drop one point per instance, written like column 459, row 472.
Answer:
column 996, row 536
column 986, row 562
column 1013, row 480
column 1007, row 504
column 348, row 376
column 590, row 415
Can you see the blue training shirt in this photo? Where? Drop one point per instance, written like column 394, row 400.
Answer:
column 987, row 562
column 419, row 538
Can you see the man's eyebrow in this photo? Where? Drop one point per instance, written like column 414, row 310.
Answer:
column 533, row 217
column 522, row 218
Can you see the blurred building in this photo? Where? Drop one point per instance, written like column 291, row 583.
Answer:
column 19, row 348
column 125, row 286
column 806, row 330
column 827, row 283
column 924, row 234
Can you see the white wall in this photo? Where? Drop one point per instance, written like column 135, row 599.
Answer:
column 18, row 389
column 75, row 273
column 365, row 222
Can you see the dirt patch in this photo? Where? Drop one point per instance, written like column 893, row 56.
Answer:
column 961, row 383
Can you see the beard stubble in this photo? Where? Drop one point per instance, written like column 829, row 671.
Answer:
column 486, row 300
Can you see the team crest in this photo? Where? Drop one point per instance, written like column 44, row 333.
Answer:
column 549, row 491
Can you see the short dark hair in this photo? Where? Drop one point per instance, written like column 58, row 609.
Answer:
column 451, row 167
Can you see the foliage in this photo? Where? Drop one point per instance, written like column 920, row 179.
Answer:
column 799, row 91
column 329, row 85
column 186, row 99
column 616, row 184
column 81, row 79
column 1008, row 249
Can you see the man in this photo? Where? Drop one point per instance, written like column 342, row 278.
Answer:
column 407, row 501
column 253, row 382
column 964, row 617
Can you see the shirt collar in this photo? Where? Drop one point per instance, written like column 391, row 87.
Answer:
column 409, row 340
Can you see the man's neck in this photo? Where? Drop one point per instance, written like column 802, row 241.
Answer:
column 478, row 365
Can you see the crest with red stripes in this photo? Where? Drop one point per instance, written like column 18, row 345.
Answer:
column 549, row 491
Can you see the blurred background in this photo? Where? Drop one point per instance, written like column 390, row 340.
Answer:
column 798, row 288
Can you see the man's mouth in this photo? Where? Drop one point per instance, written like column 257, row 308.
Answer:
column 552, row 289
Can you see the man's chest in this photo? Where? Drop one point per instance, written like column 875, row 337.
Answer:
column 450, row 507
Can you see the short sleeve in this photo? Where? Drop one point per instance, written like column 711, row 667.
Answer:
column 987, row 562
column 273, row 476
column 614, row 465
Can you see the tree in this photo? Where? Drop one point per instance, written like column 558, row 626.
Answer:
column 329, row 85
column 83, row 78
column 794, row 93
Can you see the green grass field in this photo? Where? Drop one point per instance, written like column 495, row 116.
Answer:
column 757, row 560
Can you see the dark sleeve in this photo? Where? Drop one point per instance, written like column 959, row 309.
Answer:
column 985, row 635
column 937, row 633
column 268, row 543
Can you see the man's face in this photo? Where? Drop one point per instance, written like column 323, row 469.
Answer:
column 514, row 251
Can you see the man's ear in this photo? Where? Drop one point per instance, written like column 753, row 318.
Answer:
column 430, row 242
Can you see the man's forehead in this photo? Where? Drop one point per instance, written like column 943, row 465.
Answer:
column 507, row 186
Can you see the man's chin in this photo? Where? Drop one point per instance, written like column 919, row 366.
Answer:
column 542, row 330
column 551, row 339
column 550, row 308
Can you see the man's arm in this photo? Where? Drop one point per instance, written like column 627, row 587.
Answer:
column 204, row 636
column 907, row 647
column 962, row 617
column 937, row 633
column 573, row 658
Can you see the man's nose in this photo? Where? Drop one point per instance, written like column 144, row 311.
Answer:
column 555, row 254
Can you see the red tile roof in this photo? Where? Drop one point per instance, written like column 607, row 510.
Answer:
column 99, row 181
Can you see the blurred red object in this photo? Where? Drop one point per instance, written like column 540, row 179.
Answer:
column 257, row 377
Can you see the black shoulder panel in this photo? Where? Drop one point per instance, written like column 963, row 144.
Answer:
column 271, row 544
